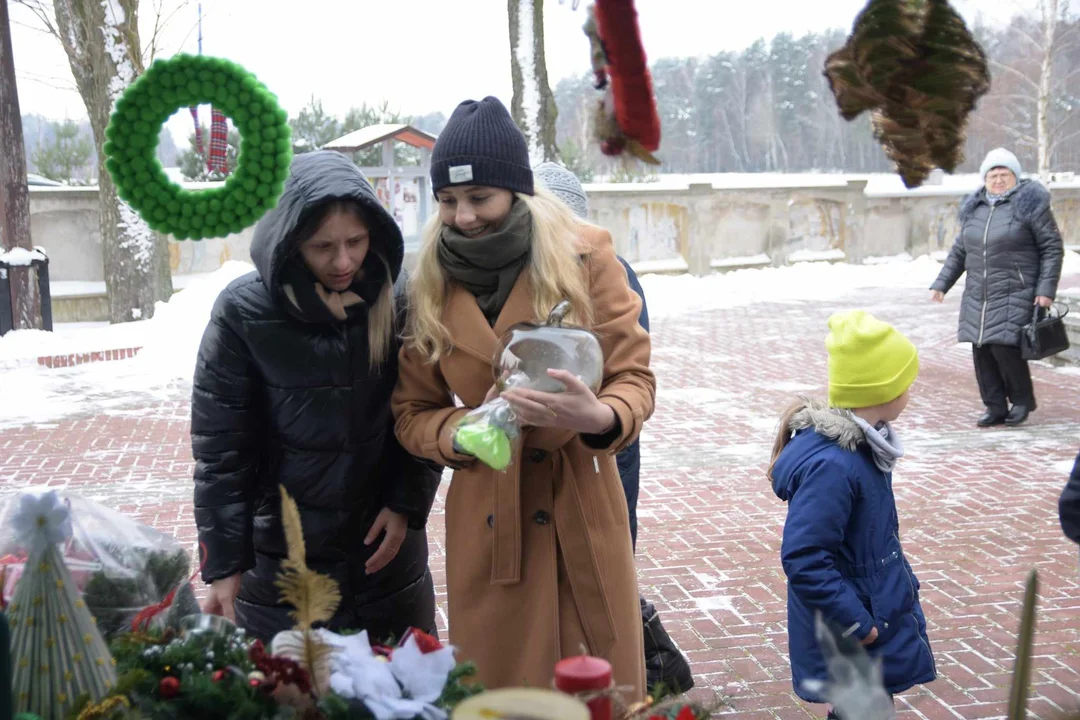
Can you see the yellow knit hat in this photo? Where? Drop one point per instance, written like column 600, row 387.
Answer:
column 870, row 362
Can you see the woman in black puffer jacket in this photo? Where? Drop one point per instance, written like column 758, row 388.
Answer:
column 292, row 388
column 1011, row 249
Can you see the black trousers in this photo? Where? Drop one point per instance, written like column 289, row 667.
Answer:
column 1003, row 376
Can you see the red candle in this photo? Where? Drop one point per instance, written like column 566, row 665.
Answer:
column 586, row 675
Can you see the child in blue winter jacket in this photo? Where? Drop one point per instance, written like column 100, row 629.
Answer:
column 832, row 463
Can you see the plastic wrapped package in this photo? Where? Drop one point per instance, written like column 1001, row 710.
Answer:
column 523, row 356
column 121, row 567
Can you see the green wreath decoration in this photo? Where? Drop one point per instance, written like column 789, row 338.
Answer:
column 132, row 138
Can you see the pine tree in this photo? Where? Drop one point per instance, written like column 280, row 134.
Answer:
column 59, row 653
column 68, row 152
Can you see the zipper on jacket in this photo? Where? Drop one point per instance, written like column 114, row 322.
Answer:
column 915, row 597
column 986, row 272
column 1023, row 282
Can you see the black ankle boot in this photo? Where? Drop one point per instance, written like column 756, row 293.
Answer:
column 1017, row 415
column 665, row 666
column 991, row 418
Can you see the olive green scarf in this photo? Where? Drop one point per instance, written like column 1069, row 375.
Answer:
column 489, row 266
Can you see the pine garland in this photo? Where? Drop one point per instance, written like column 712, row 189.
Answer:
column 215, row 683
column 115, row 601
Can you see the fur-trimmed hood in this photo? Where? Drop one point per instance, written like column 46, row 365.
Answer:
column 833, row 423
column 1029, row 198
column 833, row 428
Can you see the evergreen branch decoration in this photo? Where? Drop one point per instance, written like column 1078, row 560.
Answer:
column 115, row 601
column 915, row 66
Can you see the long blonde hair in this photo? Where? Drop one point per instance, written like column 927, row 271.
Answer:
column 555, row 271
column 382, row 323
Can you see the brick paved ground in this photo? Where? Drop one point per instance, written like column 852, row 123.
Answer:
column 978, row 508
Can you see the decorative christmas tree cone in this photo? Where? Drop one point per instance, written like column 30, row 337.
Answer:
column 58, row 652
column 6, row 708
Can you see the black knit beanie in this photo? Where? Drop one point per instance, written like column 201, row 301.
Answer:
column 481, row 145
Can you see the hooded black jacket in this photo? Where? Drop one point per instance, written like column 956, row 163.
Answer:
column 287, row 397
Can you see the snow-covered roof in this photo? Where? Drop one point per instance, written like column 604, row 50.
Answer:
column 374, row 134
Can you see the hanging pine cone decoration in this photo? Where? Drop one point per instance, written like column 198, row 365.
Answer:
column 916, row 67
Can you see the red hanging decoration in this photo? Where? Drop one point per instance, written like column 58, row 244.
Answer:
column 219, row 142
column 627, row 118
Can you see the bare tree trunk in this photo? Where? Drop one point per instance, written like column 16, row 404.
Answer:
column 101, row 38
column 1050, row 21
column 14, row 196
column 533, row 106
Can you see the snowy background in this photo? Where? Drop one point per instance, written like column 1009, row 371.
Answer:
column 169, row 342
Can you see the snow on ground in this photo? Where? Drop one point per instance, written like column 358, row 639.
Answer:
column 164, row 366
column 674, row 295
column 170, row 341
column 803, row 282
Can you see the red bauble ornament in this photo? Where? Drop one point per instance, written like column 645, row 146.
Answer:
column 218, row 675
column 169, row 687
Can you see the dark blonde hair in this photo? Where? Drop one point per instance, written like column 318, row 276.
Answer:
column 783, row 432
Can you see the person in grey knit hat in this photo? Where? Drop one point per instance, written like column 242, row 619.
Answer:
column 664, row 663
column 1010, row 247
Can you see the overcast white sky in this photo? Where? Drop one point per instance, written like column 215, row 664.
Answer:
column 420, row 55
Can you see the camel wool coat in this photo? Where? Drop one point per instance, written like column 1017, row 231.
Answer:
column 539, row 561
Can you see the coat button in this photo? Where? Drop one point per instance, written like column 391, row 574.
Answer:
column 541, row 518
column 538, row 456
column 491, row 521
column 885, row 625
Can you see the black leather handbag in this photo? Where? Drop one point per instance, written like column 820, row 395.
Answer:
column 1046, row 335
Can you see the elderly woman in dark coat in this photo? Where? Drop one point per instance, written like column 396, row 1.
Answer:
column 1011, row 249
column 292, row 388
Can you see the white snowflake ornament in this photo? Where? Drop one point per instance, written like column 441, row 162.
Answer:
column 41, row 520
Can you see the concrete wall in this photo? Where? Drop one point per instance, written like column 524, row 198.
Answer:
column 666, row 226
column 64, row 221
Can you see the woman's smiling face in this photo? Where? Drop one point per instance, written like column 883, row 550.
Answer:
column 474, row 210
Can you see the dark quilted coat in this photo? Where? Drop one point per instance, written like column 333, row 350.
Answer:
column 1012, row 252
column 280, row 398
